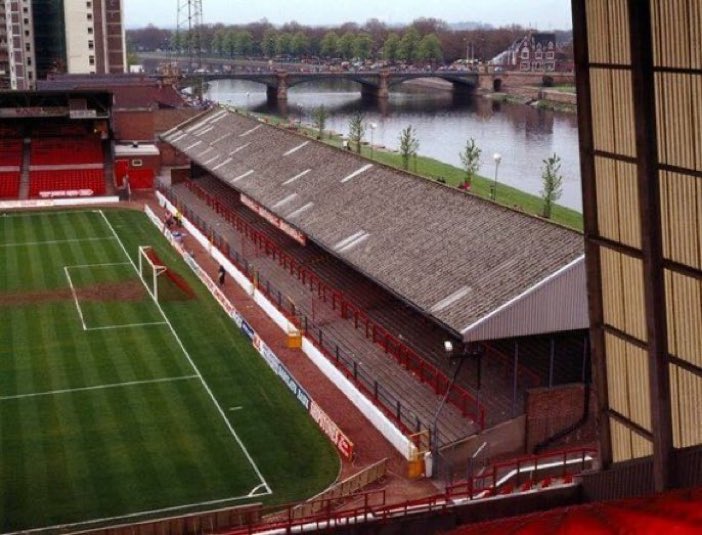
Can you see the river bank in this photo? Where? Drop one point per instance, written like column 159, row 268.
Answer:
column 433, row 169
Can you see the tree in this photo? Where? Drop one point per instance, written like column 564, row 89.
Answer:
column 407, row 50
column 300, row 44
column 409, row 145
column 362, row 46
column 552, row 183
column 346, row 45
column 330, row 45
column 219, row 41
column 229, row 44
column 320, row 115
column 391, row 47
column 269, row 42
column 470, row 158
column 429, row 49
column 357, row 129
column 283, row 44
column 244, row 43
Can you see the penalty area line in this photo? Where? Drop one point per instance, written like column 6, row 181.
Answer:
column 75, row 297
column 100, row 387
column 126, row 326
column 185, row 352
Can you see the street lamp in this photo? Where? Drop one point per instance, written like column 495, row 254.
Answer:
column 463, row 352
column 498, row 158
column 373, row 126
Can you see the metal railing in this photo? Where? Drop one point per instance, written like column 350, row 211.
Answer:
column 344, row 359
column 423, row 370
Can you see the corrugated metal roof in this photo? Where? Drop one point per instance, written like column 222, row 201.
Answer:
column 455, row 256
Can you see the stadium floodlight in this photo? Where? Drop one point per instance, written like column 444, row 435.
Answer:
column 448, row 347
column 149, row 271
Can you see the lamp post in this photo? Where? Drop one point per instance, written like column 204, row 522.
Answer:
column 462, row 353
column 372, row 126
column 498, row 158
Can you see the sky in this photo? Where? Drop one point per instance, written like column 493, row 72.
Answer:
column 542, row 14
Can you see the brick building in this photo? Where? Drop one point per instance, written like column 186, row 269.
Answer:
column 62, row 36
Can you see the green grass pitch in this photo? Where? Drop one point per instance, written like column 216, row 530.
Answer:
column 114, row 407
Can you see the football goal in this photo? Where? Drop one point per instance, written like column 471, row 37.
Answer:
column 150, row 269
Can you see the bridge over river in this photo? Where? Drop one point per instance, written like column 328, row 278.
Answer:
column 373, row 84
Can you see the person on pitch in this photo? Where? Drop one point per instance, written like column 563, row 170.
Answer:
column 221, row 274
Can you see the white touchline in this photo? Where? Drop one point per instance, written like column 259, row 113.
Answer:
column 75, row 297
column 81, row 266
column 100, row 387
column 192, row 364
column 55, row 242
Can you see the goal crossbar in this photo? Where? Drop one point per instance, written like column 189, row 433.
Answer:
column 156, row 270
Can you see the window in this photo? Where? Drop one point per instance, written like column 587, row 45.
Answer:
column 538, row 55
column 89, row 5
column 550, row 55
column 91, row 59
column 91, row 45
column 137, row 163
column 89, row 16
column 525, row 53
column 90, row 30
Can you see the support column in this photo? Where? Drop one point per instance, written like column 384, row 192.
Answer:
column 651, row 238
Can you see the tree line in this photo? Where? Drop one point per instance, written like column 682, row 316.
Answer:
column 424, row 40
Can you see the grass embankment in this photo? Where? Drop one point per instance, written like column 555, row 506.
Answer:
column 432, row 169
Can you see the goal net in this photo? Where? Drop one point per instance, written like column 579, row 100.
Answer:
column 150, row 269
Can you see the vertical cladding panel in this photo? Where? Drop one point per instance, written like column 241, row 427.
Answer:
column 612, row 297
column 602, row 110
column 640, row 446
column 696, row 116
column 677, row 103
column 597, row 26
column 684, row 307
column 607, row 198
column 633, row 291
column 619, row 32
column 695, row 23
column 638, row 386
column 624, row 130
column 629, row 213
column 617, row 374
column 680, row 210
column 686, row 389
column 672, row 33
column 621, row 441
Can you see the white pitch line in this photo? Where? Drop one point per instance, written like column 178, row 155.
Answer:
column 55, row 242
column 100, row 387
column 79, row 266
column 75, row 297
column 235, row 408
column 192, row 363
column 126, row 326
column 47, row 213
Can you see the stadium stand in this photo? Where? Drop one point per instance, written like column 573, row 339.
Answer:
column 66, row 166
column 10, row 166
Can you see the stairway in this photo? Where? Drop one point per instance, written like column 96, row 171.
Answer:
column 24, row 172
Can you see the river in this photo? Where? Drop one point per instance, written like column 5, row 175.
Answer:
column 523, row 135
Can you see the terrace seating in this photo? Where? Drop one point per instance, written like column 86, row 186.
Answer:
column 11, row 153
column 9, row 185
column 66, row 151
column 67, row 183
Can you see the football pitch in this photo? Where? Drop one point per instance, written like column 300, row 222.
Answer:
column 116, row 407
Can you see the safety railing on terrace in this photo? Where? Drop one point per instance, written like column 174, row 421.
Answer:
column 344, row 359
column 423, row 370
column 372, row 506
column 524, row 472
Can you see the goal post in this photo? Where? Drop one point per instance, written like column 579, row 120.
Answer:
column 149, row 270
